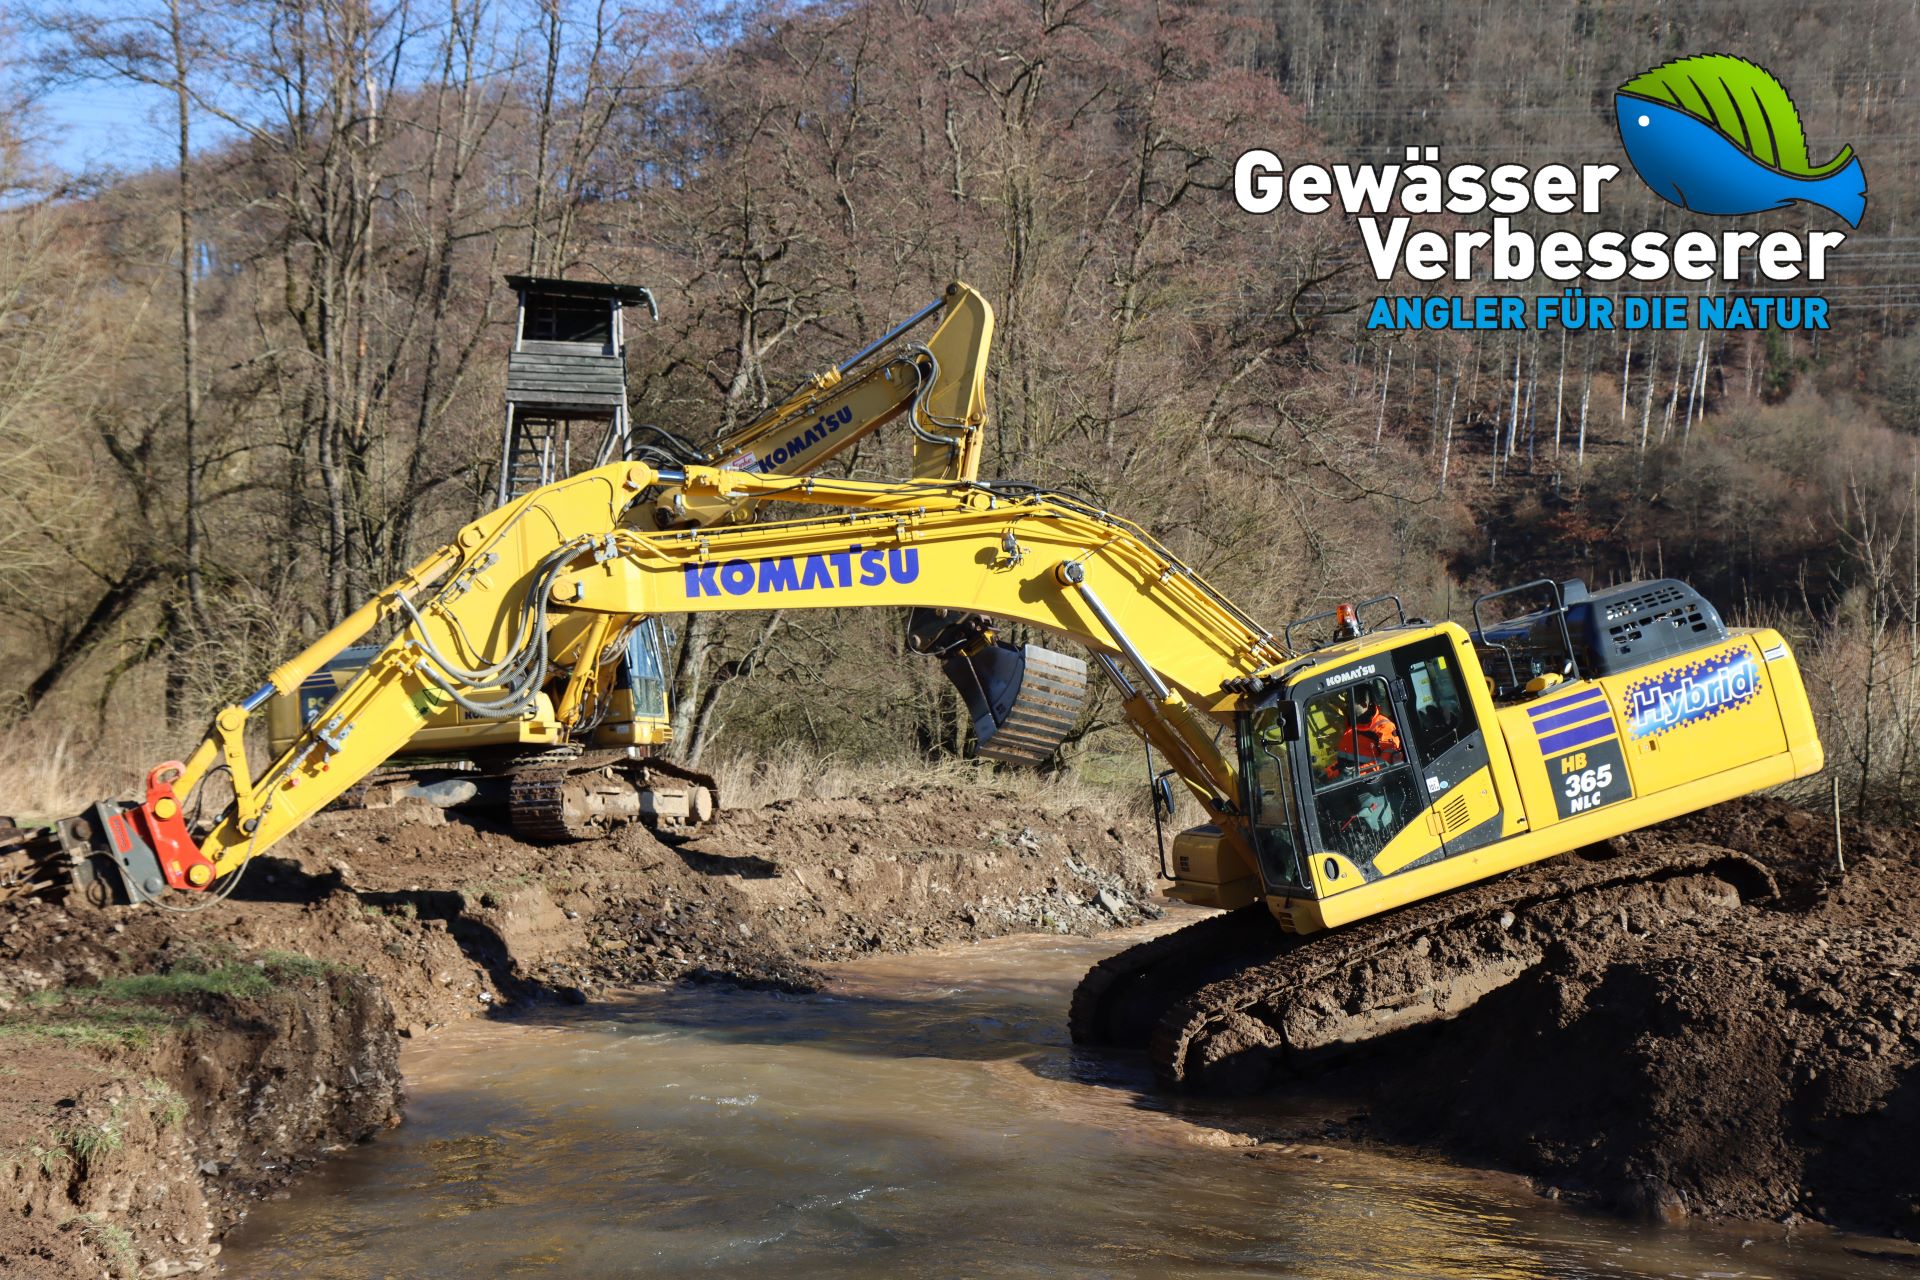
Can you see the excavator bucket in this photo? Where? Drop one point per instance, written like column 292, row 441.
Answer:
column 1023, row 699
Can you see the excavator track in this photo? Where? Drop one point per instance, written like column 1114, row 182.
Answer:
column 1120, row 999
column 588, row 797
column 1309, row 998
column 552, row 796
column 537, row 805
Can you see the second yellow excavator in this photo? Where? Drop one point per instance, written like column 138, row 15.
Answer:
column 581, row 757
column 1366, row 790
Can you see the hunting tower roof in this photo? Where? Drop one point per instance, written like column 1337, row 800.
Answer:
column 607, row 290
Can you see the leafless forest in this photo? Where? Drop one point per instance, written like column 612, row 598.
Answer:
column 240, row 390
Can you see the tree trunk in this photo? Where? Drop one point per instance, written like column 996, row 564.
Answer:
column 189, row 325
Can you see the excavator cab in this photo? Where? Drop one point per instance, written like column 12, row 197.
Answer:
column 1352, row 770
column 636, row 713
column 1392, row 765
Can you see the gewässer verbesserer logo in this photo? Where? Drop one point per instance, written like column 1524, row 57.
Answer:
column 1713, row 134
column 1718, row 134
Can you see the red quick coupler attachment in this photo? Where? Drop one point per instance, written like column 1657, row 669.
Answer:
column 164, row 828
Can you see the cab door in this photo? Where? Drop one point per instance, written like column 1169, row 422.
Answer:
column 1368, row 802
column 1449, row 748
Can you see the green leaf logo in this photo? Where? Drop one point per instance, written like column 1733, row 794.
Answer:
column 1716, row 134
column 1744, row 102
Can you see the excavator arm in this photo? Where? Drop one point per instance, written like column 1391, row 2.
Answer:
column 938, row 386
column 551, row 583
column 1039, row 559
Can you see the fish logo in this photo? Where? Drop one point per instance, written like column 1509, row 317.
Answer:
column 1717, row 134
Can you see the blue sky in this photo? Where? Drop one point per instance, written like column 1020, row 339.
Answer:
column 126, row 126
column 107, row 124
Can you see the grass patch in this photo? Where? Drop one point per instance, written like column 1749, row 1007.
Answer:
column 182, row 984
column 164, row 1101
column 134, row 1010
column 283, row 965
column 137, row 1009
column 95, row 1026
column 91, row 1139
column 113, row 1241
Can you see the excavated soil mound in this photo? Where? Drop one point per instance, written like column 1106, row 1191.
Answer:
column 753, row 897
column 164, row 1069
column 1761, row 1060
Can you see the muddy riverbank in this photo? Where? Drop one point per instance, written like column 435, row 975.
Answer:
column 1758, row 1058
column 920, row 1115
column 165, row 1071
column 1755, row 1057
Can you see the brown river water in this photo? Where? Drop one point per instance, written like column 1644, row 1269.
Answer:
column 926, row 1116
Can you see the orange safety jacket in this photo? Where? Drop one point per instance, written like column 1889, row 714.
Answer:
column 1375, row 740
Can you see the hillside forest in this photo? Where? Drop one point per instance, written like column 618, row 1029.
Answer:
column 243, row 385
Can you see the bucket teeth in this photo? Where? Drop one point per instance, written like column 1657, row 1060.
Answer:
column 1052, row 692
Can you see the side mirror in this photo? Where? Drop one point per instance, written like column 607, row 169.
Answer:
column 1162, row 797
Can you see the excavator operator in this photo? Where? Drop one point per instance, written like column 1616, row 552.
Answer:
column 1371, row 738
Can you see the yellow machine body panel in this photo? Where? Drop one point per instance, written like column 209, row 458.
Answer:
column 1584, row 746
column 1208, row 871
column 1578, row 762
column 625, row 726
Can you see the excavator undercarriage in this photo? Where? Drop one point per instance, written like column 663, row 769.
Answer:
column 588, row 796
column 1228, row 1004
column 564, row 793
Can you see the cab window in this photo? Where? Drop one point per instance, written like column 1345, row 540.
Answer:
column 646, row 669
column 1269, row 781
column 1438, row 715
column 1350, row 731
column 1364, row 795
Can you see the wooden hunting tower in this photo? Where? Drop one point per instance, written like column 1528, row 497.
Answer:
column 569, row 366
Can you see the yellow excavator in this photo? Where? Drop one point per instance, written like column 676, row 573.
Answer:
column 570, row 767
column 1365, row 789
